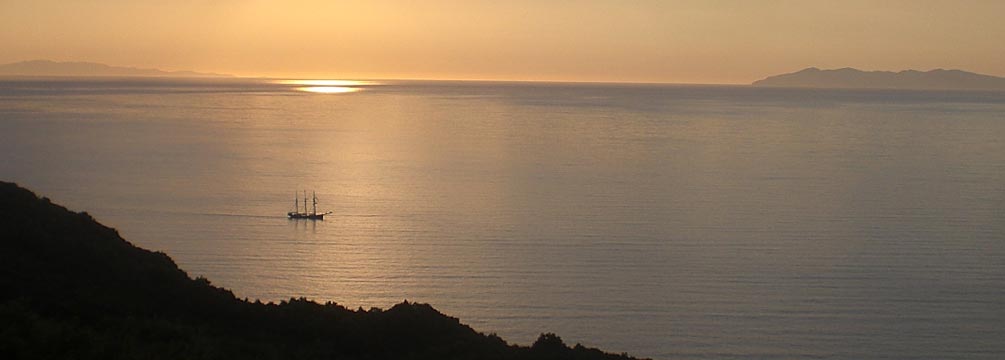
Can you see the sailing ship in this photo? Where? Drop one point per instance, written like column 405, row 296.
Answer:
column 312, row 215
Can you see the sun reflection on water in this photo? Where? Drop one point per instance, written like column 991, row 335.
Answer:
column 321, row 86
column 328, row 89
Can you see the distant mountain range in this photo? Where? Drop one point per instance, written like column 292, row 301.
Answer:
column 59, row 68
column 849, row 78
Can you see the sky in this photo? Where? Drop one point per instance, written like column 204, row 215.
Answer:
column 706, row 41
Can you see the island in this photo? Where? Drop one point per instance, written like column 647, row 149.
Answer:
column 849, row 78
column 79, row 68
column 71, row 288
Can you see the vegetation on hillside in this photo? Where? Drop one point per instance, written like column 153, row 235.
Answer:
column 71, row 288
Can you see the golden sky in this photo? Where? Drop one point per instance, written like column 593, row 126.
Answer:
column 701, row 41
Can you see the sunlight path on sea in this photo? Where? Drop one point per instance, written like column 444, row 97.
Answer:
column 666, row 221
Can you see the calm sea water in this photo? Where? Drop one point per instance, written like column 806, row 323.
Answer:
column 675, row 222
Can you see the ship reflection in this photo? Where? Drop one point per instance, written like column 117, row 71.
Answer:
column 304, row 226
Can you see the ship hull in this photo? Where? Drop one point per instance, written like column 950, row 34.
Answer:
column 306, row 216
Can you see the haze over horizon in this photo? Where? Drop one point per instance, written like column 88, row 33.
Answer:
column 729, row 42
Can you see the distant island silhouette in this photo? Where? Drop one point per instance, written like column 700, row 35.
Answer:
column 71, row 288
column 849, row 78
column 77, row 68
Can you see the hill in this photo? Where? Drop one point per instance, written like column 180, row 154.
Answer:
column 71, row 288
column 54, row 68
column 849, row 78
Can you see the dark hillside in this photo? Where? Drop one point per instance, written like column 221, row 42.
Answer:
column 71, row 288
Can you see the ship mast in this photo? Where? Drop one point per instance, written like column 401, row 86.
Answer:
column 315, row 194
column 305, row 202
column 296, row 202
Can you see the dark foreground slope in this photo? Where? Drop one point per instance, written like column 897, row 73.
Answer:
column 71, row 288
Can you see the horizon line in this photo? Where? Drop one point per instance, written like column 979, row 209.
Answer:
column 200, row 74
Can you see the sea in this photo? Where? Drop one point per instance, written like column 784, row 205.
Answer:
column 665, row 221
